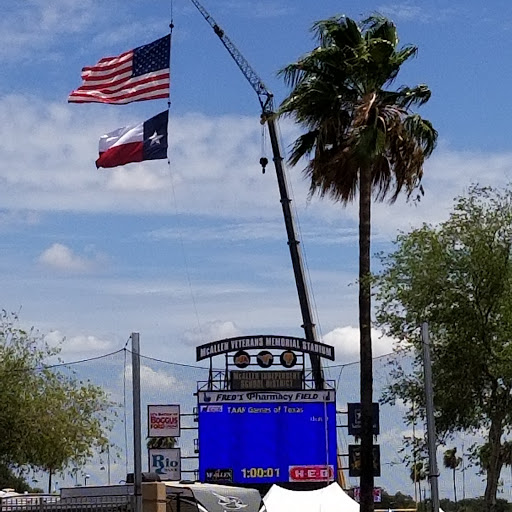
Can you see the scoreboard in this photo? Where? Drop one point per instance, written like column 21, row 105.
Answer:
column 267, row 437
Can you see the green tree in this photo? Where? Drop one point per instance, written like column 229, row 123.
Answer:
column 394, row 501
column 458, row 278
column 452, row 461
column 360, row 136
column 8, row 480
column 48, row 419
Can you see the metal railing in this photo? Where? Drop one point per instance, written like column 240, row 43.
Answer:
column 52, row 503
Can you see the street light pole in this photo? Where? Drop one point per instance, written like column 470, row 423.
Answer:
column 108, row 465
column 107, row 468
column 137, row 451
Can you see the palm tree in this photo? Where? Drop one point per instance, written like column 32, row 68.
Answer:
column 418, row 474
column 161, row 442
column 451, row 461
column 359, row 136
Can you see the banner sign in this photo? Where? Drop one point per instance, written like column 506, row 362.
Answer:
column 354, row 419
column 354, row 460
column 165, row 462
column 229, row 397
column 264, row 342
column 315, row 473
column 263, row 380
column 163, row 420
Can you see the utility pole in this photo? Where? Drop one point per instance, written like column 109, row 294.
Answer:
column 433, row 472
column 137, row 459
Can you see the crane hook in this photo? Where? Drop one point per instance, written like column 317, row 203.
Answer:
column 263, row 163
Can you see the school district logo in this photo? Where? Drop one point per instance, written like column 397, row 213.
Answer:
column 265, row 359
column 242, row 359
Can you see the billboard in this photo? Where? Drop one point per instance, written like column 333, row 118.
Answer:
column 165, row 462
column 163, row 420
column 267, row 437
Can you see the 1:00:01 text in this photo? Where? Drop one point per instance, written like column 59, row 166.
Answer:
column 260, row 472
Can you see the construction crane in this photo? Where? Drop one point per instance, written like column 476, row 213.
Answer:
column 265, row 98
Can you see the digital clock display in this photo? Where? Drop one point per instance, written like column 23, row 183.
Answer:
column 260, row 473
column 289, row 437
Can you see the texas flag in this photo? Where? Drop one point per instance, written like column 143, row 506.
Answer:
column 144, row 141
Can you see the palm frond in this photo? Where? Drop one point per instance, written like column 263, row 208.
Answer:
column 378, row 26
column 407, row 97
column 340, row 95
column 423, row 132
column 405, row 54
column 338, row 31
column 302, row 147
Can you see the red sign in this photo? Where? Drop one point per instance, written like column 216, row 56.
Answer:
column 310, row 473
column 163, row 420
column 377, row 494
column 160, row 420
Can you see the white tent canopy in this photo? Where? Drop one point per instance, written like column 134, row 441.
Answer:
column 327, row 499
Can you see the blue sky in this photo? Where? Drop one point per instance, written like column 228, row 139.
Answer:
column 196, row 251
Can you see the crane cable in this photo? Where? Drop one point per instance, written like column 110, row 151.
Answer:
column 263, row 159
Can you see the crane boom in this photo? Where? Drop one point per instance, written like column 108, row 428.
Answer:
column 265, row 98
column 264, row 95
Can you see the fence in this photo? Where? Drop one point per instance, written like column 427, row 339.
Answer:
column 52, row 503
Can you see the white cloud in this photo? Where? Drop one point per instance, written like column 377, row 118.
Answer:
column 214, row 174
column 52, row 19
column 18, row 218
column 447, row 174
column 211, row 331
column 346, row 342
column 155, row 380
column 410, row 11
column 62, row 258
column 263, row 229
column 79, row 345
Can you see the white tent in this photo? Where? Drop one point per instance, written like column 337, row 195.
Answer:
column 327, row 499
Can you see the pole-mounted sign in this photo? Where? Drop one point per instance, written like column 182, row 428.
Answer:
column 163, row 420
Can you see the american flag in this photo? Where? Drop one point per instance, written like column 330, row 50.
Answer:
column 136, row 75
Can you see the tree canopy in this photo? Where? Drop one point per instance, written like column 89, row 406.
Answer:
column 49, row 420
column 457, row 277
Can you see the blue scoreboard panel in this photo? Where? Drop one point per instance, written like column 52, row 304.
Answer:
column 267, row 437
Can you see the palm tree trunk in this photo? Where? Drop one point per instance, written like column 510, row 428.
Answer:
column 454, row 487
column 366, row 377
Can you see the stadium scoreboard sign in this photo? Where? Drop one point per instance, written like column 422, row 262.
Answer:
column 253, row 437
